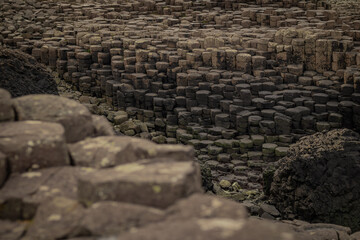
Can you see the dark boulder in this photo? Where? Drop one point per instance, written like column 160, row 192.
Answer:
column 318, row 180
column 21, row 74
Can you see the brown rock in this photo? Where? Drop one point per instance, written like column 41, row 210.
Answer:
column 216, row 228
column 33, row 144
column 112, row 218
column 11, row 230
column 102, row 126
column 327, row 231
column 109, row 151
column 101, row 152
column 83, row 238
column 75, row 118
column 6, row 108
column 3, row 169
column 355, row 236
column 158, row 184
column 206, row 206
column 23, row 193
column 56, row 219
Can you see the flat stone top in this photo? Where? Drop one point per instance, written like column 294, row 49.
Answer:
column 144, row 171
column 47, row 107
column 75, row 117
column 24, row 131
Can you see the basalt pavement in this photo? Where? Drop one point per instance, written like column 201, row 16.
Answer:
column 239, row 80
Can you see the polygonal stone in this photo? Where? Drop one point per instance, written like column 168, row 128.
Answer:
column 258, row 140
column 23, row 193
column 223, row 157
column 222, row 120
column 109, row 151
column 246, row 143
column 12, row 230
column 33, row 144
column 6, row 108
column 56, row 219
column 217, row 228
column 283, row 125
column 258, row 62
column 75, row 117
column 224, row 143
column 3, row 168
column 112, row 218
column 323, row 126
column 205, row 206
column 268, row 149
column 281, row 151
column 243, row 62
column 158, row 184
column 102, row 126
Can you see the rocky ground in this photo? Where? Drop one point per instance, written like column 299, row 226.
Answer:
column 238, row 80
column 59, row 183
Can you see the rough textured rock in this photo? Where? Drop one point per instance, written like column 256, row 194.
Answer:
column 6, row 106
column 112, row 218
column 326, row 231
column 318, row 179
column 75, row 118
column 217, row 228
column 12, row 230
column 149, row 182
column 102, row 126
column 355, row 236
column 109, row 151
column 205, row 206
column 56, row 219
column 23, row 193
column 3, row 168
column 21, row 74
column 100, row 152
column 33, row 144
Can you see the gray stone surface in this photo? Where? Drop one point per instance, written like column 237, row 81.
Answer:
column 151, row 183
column 109, row 151
column 75, row 118
column 6, row 106
column 32, row 145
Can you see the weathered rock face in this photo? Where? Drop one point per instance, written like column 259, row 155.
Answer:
column 102, row 126
column 21, row 74
column 109, row 151
column 12, row 230
column 75, row 118
column 156, row 183
column 56, row 219
column 33, row 144
column 24, row 193
column 3, row 168
column 217, row 228
column 6, row 108
column 111, row 218
column 206, row 206
column 319, row 179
